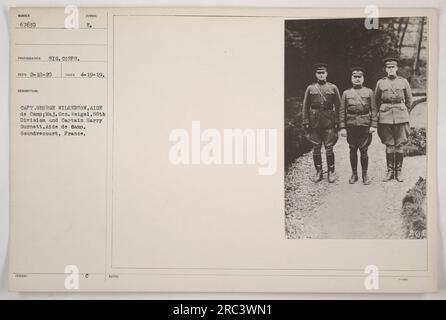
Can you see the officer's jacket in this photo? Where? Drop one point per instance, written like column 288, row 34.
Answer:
column 358, row 108
column 394, row 99
column 321, row 106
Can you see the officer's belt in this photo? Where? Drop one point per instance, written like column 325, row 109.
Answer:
column 359, row 113
column 393, row 105
column 322, row 108
column 393, row 101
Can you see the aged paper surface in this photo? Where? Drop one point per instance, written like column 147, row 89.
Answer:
column 102, row 201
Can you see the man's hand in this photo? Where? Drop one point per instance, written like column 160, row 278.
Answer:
column 372, row 129
column 343, row 132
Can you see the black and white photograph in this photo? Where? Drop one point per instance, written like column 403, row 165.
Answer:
column 355, row 114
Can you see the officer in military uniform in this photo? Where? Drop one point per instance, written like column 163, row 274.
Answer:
column 358, row 120
column 394, row 99
column 320, row 120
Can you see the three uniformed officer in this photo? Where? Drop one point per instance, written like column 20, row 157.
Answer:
column 394, row 99
column 320, row 119
column 357, row 121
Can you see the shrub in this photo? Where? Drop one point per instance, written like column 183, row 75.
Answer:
column 296, row 143
column 413, row 211
column 417, row 142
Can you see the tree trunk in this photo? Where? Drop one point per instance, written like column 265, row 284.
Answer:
column 416, row 64
column 402, row 36
column 400, row 22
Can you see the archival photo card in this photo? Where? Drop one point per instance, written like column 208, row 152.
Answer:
column 223, row 149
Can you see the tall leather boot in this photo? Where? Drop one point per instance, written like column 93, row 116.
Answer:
column 331, row 175
column 354, row 165
column 390, row 158
column 364, row 167
column 399, row 156
column 317, row 159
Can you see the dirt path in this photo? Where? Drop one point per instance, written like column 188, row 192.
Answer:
column 341, row 210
